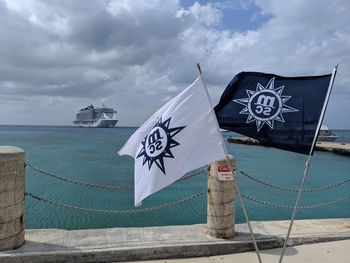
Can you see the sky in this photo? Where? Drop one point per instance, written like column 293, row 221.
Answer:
column 58, row 56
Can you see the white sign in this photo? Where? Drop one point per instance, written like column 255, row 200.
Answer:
column 224, row 173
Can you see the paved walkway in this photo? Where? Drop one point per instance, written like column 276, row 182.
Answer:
column 150, row 243
column 334, row 252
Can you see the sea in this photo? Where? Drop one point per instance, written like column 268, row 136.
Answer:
column 90, row 155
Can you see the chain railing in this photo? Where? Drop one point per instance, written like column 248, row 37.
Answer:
column 108, row 187
column 92, row 185
column 284, row 188
column 288, row 189
column 119, row 212
column 188, row 198
column 346, row 198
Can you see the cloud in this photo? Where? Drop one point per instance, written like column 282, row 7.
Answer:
column 206, row 14
column 136, row 55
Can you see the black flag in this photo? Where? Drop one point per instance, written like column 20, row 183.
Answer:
column 282, row 112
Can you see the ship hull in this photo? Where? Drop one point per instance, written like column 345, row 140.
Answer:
column 96, row 124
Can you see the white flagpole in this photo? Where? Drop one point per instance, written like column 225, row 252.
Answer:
column 308, row 161
column 228, row 163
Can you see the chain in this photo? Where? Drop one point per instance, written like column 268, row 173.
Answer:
column 109, row 187
column 142, row 210
column 118, row 212
column 192, row 175
column 300, row 207
column 58, row 177
column 284, row 188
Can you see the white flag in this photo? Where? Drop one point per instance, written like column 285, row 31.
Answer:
column 181, row 136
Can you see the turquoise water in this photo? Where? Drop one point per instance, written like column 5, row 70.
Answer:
column 90, row 155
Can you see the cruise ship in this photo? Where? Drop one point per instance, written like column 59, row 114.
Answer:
column 96, row 117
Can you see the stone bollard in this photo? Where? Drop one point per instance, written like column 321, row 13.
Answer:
column 11, row 197
column 221, row 195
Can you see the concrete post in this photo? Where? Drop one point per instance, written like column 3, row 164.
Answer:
column 11, row 197
column 221, row 195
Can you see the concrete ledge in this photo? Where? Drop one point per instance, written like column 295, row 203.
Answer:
column 131, row 244
column 334, row 147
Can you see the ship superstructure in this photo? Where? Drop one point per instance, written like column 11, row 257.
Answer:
column 96, row 117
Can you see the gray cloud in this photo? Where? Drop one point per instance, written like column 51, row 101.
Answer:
column 135, row 55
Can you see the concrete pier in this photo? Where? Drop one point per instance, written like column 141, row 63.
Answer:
column 131, row 244
column 11, row 197
column 325, row 252
column 334, row 147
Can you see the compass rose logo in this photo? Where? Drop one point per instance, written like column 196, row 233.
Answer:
column 158, row 143
column 265, row 105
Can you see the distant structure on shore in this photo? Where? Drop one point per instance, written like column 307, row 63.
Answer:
column 96, row 117
column 326, row 134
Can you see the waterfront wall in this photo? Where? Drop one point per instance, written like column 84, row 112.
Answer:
column 221, row 195
column 11, row 197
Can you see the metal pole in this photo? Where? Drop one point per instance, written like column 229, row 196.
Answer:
column 243, row 208
column 308, row 161
column 234, row 176
column 306, row 172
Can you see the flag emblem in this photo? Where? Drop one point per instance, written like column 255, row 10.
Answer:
column 158, row 143
column 265, row 105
